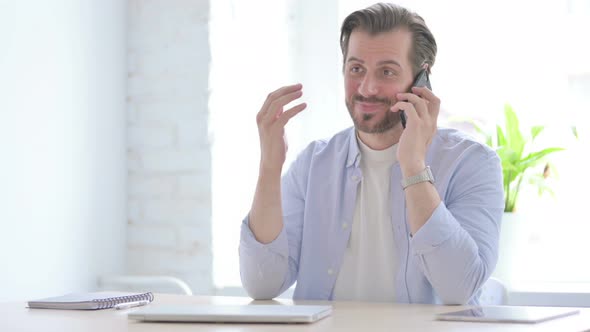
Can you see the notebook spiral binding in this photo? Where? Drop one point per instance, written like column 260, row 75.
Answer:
column 112, row 301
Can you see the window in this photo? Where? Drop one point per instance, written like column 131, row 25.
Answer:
column 490, row 53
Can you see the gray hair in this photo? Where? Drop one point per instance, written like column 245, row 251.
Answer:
column 385, row 17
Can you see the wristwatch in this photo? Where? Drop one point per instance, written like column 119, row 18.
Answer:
column 423, row 176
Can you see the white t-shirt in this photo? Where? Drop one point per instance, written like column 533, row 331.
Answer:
column 369, row 266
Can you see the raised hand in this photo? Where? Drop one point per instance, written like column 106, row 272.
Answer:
column 266, row 213
column 271, row 121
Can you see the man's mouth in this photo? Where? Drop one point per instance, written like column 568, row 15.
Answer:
column 373, row 104
column 370, row 107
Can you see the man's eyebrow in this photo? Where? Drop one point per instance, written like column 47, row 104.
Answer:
column 354, row 59
column 389, row 62
column 384, row 62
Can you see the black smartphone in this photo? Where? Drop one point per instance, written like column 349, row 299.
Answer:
column 420, row 81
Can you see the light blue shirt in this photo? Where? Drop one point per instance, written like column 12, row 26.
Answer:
column 446, row 261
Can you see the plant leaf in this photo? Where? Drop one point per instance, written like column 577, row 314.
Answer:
column 510, row 146
column 533, row 158
column 500, row 138
column 510, row 169
column 536, row 130
column 513, row 135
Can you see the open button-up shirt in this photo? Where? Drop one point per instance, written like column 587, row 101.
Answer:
column 446, row 261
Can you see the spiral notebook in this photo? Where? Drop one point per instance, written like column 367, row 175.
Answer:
column 90, row 301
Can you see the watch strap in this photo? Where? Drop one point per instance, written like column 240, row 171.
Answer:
column 423, row 176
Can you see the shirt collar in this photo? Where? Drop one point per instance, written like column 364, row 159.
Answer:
column 353, row 149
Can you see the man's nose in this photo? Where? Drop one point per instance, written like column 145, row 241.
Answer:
column 369, row 86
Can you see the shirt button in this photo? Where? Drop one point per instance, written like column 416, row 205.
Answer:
column 330, row 271
column 344, row 226
column 354, row 178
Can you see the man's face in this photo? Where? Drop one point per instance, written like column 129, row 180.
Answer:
column 375, row 70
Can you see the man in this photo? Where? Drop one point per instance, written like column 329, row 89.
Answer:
column 377, row 212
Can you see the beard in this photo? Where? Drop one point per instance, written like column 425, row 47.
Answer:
column 362, row 121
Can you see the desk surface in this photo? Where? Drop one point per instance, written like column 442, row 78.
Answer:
column 347, row 316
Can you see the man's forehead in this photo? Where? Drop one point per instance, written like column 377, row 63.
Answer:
column 390, row 47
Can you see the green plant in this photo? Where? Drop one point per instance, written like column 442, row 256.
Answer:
column 511, row 146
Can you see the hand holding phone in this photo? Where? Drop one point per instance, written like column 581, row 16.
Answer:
column 421, row 80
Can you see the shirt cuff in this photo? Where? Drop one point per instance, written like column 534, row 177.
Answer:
column 440, row 227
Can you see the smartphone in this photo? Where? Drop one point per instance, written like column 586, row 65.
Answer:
column 420, row 81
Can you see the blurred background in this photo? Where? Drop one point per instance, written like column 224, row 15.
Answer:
column 129, row 145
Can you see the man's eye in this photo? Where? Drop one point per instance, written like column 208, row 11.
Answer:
column 387, row 72
column 355, row 69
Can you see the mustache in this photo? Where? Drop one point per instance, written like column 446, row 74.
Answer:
column 373, row 99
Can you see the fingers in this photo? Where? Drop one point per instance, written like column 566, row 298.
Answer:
column 414, row 106
column 276, row 107
column 408, row 108
column 418, row 104
column 426, row 94
column 273, row 96
column 421, row 102
column 288, row 114
column 403, row 106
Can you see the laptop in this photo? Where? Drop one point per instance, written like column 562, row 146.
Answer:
column 256, row 313
column 508, row 314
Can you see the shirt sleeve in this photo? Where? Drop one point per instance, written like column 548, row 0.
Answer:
column 262, row 266
column 458, row 246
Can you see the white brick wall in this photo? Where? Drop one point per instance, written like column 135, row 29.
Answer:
column 169, row 158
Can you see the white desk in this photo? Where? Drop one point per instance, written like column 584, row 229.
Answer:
column 347, row 316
